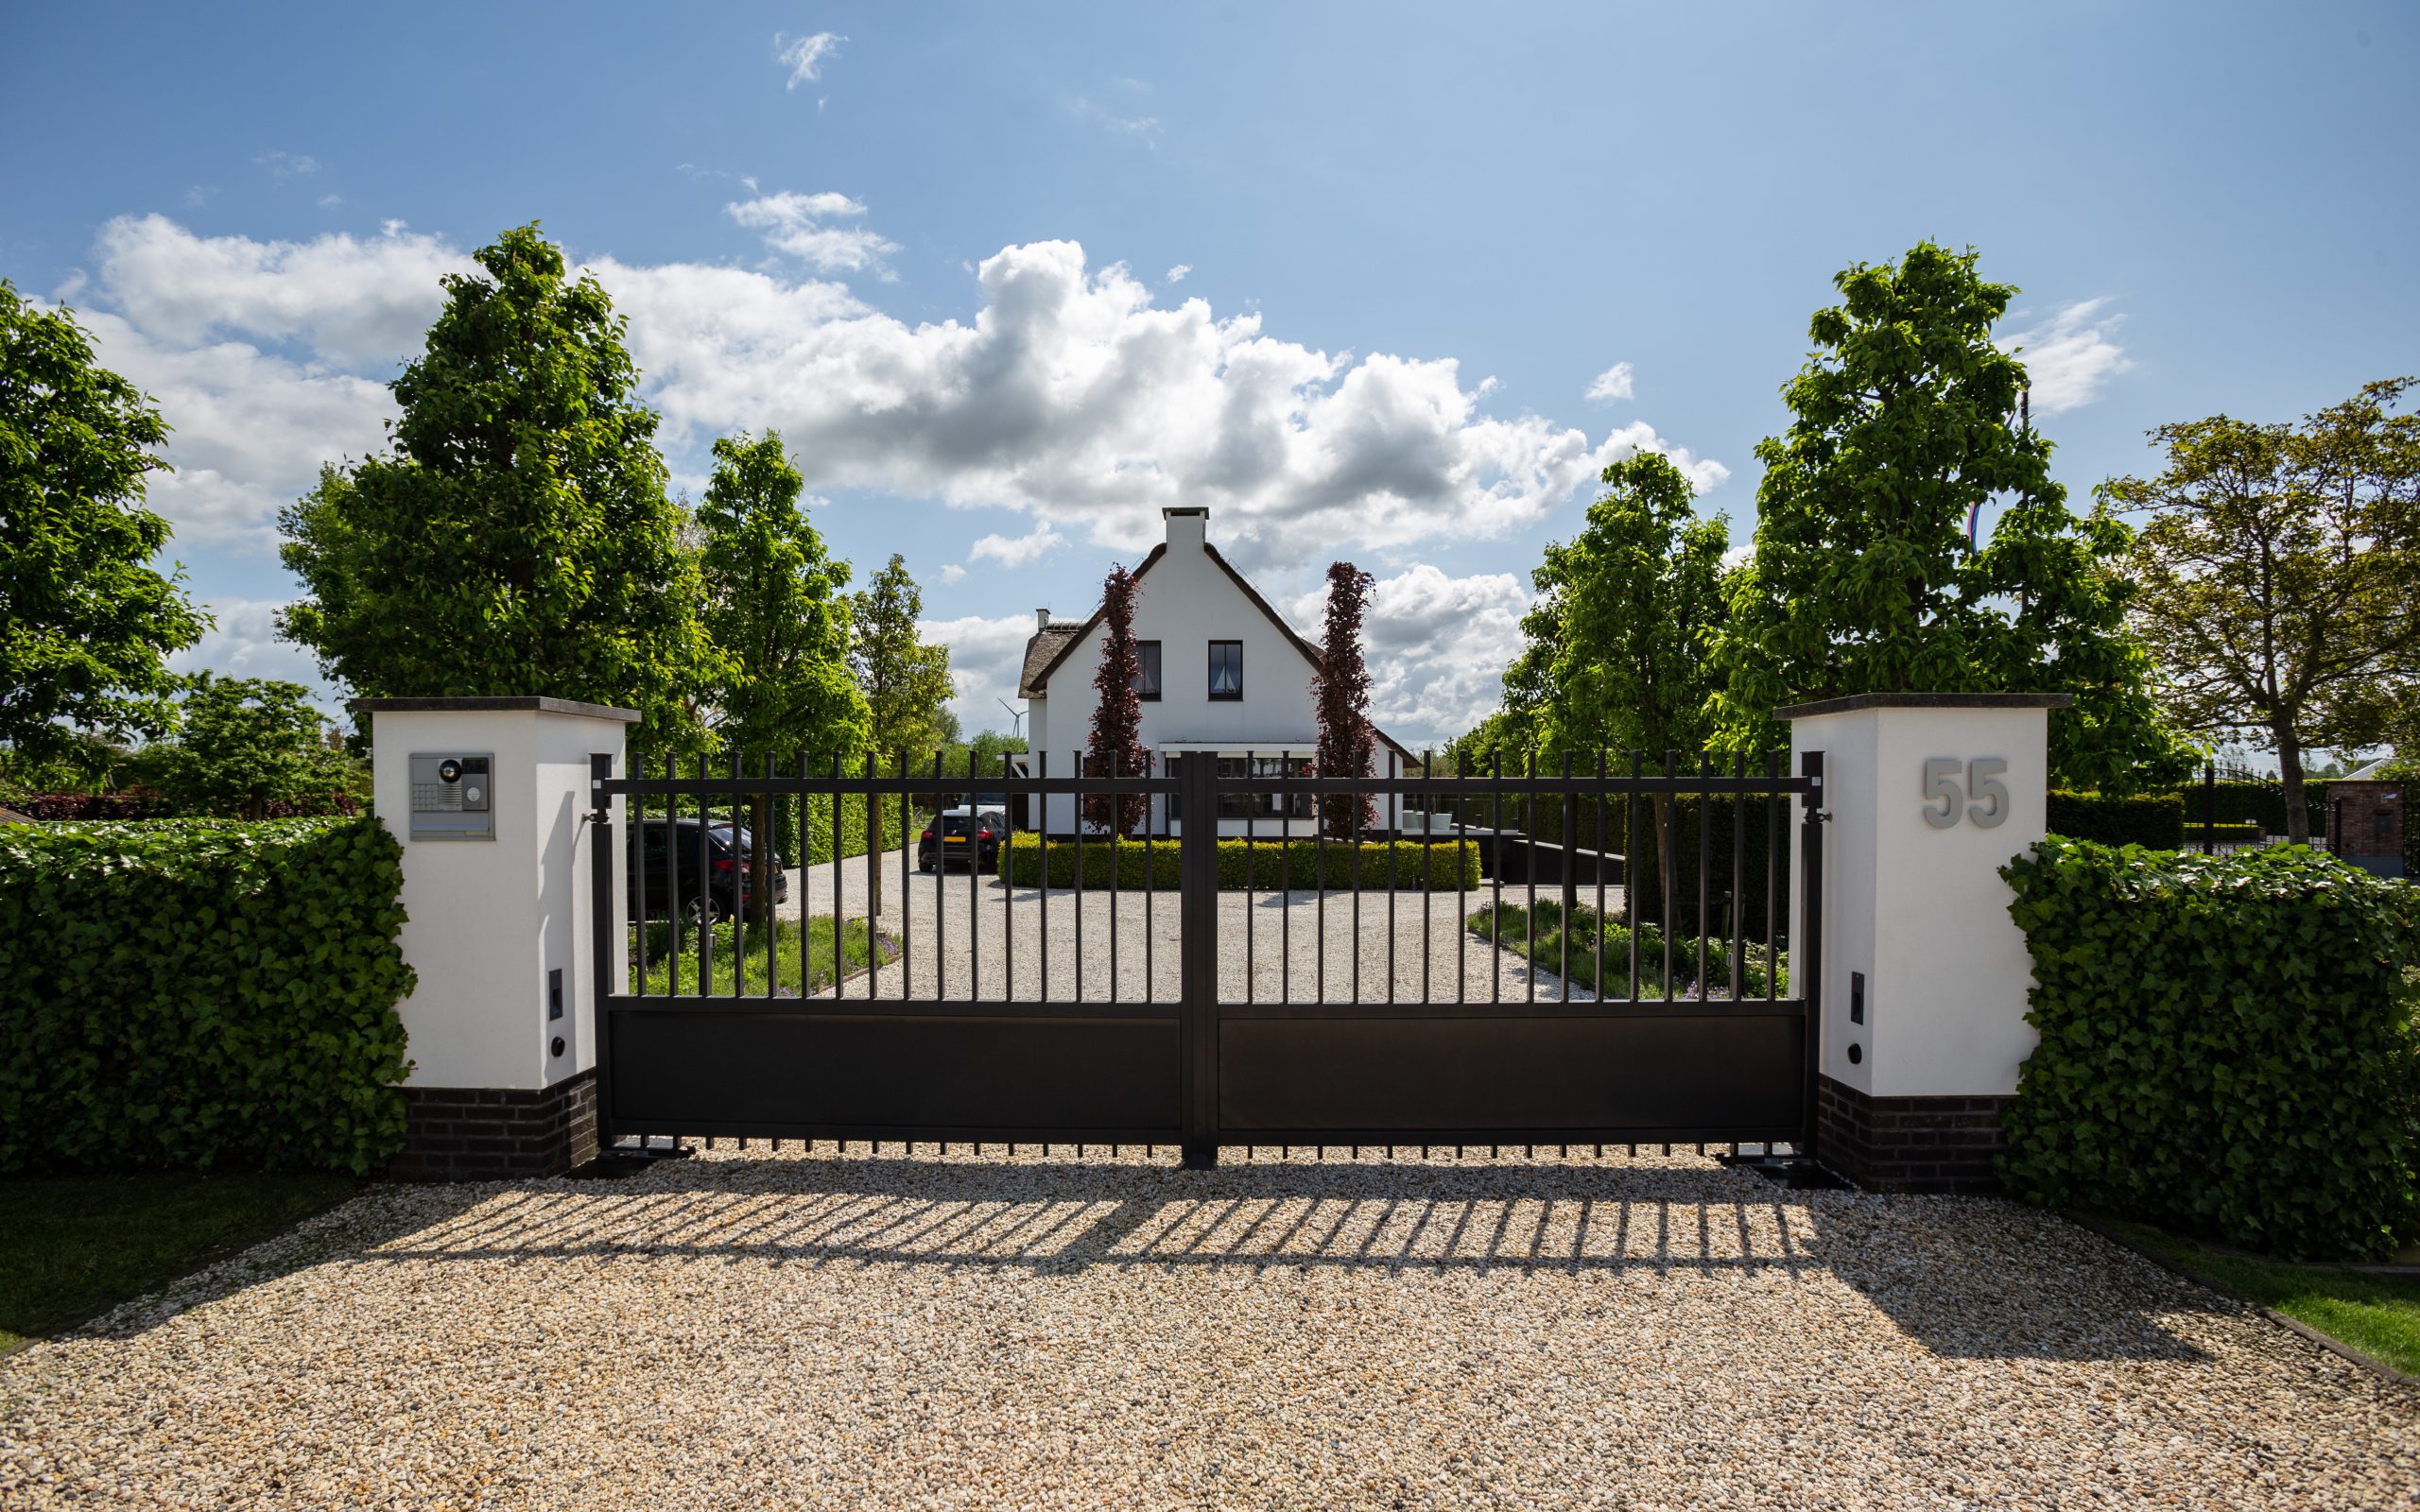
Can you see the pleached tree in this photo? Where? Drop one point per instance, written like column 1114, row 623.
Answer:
column 1117, row 743
column 1340, row 688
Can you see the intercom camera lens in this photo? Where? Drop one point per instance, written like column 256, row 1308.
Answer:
column 448, row 770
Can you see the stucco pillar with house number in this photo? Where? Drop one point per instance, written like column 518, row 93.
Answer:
column 1924, row 975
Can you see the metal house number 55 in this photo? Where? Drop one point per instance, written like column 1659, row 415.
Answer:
column 1982, row 784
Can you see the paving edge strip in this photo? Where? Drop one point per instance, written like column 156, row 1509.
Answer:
column 2292, row 1325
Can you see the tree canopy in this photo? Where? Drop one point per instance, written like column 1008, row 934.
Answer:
column 518, row 539
column 1908, row 422
column 243, row 744
column 2280, row 578
column 907, row 682
column 1620, row 640
column 86, row 622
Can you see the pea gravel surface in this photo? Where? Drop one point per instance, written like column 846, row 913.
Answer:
column 751, row 1330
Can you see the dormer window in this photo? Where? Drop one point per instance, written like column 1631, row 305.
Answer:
column 1226, row 670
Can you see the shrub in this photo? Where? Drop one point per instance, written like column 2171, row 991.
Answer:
column 1544, row 933
column 195, row 993
column 2154, row 820
column 1269, row 865
column 2227, row 1044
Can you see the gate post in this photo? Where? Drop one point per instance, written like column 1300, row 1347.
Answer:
column 1917, row 984
column 1198, row 959
column 491, row 800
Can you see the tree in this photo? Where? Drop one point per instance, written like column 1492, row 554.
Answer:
column 86, row 623
column 518, row 540
column 2280, row 572
column 1618, row 639
column 906, row 682
column 1115, row 747
column 243, row 744
column 779, row 625
column 1340, row 691
column 1908, row 422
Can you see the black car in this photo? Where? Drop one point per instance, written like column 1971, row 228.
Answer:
column 967, row 836
column 666, row 853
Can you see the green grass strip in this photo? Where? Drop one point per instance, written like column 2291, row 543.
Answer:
column 745, row 944
column 2378, row 1316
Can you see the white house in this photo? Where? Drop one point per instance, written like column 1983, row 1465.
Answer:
column 1224, row 679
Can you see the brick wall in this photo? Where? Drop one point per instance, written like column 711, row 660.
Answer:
column 1910, row 1144
column 488, row 1134
column 2354, row 809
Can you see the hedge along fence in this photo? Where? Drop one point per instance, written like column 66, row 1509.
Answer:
column 1269, row 865
column 2252, row 803
column 1544, row 820
column 2154, row 821
column 2227, row 1045
column 193, row 993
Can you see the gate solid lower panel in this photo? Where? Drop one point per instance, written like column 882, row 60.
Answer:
column 1579, row 1072
column 992, row 1071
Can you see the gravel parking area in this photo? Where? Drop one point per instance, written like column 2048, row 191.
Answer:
column 750, row 1331
column 1288, row 938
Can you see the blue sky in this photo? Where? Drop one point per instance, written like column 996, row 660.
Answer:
column 939, row 247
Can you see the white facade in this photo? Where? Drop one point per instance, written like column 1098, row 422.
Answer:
column 488, row 920
column 1185, row 599
column 1916, row 906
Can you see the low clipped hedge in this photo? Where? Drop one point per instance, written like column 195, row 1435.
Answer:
column 2154, row 820
column 1409, row 865
column 198, row 993
column 2227, row 1045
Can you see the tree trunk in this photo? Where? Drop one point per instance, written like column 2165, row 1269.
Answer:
column 760, row 861
column 2289, row 771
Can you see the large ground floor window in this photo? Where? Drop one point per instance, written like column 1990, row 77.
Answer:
column 1249, row 805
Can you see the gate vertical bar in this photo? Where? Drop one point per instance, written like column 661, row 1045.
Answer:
column 603, row 981
column 1197, row 925
column 1810, row 950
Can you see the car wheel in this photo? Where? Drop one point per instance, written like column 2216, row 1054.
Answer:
column 704, row 911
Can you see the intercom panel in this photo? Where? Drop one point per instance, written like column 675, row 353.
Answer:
column 452, row 796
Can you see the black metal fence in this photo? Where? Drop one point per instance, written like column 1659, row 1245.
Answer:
column 1281, row 1009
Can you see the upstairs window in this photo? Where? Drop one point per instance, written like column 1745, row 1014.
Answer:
column 1147, row 682
column 1226, row 669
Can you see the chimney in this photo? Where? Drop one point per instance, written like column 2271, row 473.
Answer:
column 1041, row 619
column 1188, row 527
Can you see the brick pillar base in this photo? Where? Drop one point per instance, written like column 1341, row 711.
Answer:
column 1910, row 1143
column 489, row 1134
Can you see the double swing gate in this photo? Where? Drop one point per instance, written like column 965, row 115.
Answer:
column 1333, row 992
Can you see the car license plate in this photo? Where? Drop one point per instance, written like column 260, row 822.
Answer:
column 953, row 839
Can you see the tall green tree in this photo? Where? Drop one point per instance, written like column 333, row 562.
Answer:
column 1908, row 422
column 243, row 744
column 906, row 682
column 1618, row 640
column 518, row 539
column 2280, row 572
column 86, row 622
column 778, row 618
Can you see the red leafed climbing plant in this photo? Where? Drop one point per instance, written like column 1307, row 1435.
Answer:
column 1342, row 689
column 1116, row 743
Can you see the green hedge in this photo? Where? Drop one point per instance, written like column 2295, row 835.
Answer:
column 1640, row 859
column 1268, row 863
column 2227, row 1045
column 190, row 993
column 2153, row 820
column 2255, row 802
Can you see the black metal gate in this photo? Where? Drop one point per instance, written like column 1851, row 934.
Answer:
column 1205, row 1051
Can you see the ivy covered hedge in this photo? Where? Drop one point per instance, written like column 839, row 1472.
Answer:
column 2227, row 1045
column 195, row 993
column 1407, row 865
column 2155, row 821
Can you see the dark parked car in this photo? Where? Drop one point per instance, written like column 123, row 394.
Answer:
column 652, row 851
column 966, row 836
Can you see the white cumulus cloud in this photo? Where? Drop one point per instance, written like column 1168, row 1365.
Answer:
column 1176, row 274
column 803, row 56
column 798, row 224
column 1436, row 646
column 1016, row 551
column 2070, row 355
column 1613, row 384
column 985, row 655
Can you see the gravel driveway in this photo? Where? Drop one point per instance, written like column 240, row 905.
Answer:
column 750, row 1332
column 1281, row 934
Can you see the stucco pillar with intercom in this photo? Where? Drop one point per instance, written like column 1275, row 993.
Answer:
column 488, row 798
column 1924, row 975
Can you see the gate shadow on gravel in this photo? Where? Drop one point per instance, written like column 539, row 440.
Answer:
column 1962, row 1278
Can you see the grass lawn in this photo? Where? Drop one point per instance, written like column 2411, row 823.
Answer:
column 2378, row 1316
column 74, row 1246
column 1541, row 933
column 857, row 944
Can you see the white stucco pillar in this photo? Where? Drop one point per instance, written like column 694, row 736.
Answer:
column 1924, row 975
column 490, row 798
